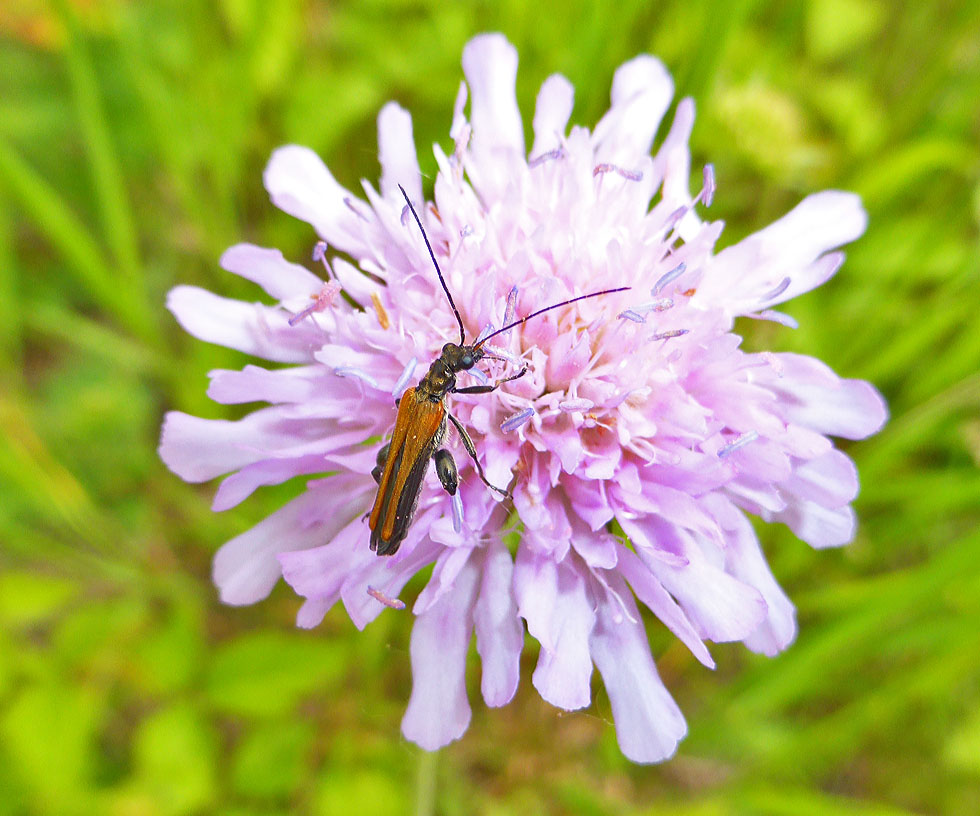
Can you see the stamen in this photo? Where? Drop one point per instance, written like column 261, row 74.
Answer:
column 486, row 332
column 350, row 371
column 466, row 231
column 671, row 276
column 674, row 217
column 517, row 420
column 406, row 375
column 478, row 375
column 775, row 317
column 577, row 404
column 629, row 175
column 320, row 251
column 774, row 363
column 378, row 595
column 775, row 293
column 321, row 302
column 629, row 314
column 741, row 442
column 669, row 334
column 510, row 312
column 557, row 153
column 383, row 320
column 708, row 193
column 405, row 211
column 350, row 206
column 456, row 502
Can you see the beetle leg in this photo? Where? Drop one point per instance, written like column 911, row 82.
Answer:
column 471, row 450
column 486, row 389
column 380, row 462
column 446, row 470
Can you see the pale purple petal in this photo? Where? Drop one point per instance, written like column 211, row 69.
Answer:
column 648, row 722
column 554, row 107
column 490, row 66
column 300, row 184
column 396, row 152
column 641, row 93
column 499, row 632
column 554, row 601
column 268, row 268
column 438, row 711
column 249, row 327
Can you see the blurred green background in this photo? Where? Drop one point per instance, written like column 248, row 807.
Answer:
column 132, row 140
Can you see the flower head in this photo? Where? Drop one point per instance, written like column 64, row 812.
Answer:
column 635, row 446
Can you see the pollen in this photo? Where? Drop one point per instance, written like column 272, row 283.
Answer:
column 383, row 318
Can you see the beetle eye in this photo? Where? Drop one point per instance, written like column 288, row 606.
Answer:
column 467, row 361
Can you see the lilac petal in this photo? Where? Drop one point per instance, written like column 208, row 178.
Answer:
column 648, row 722
column 239, row 486
column 249, row 327
column 300, row 184
column 198, row 449
column 255, row 384
column 490, row 66
column 720, row 607
column 553, row 599
column 246, row 568
column 649, row 590
column 396, row 149
column 267, row 267
column 793, row 247
column 438, row 711
column 830, row 480
column 551, row 114
column 745, row 560
column 641, row 93
column 499, row 631
column 818, row 526
column 852, row 409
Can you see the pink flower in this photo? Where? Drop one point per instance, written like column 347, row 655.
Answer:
column 640, row 413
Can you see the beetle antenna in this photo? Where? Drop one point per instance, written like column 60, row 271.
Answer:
column 548, row 309
column 442, row 280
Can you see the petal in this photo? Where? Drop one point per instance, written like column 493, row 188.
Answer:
column 246, row 568
column 648, row 722
column 554, row 601
column 818, row 526
column 830, row 480
column 499, row 631
column 720, row 607
column 239, row 486
column 267, row 267
column 490, row 66
column 249, row 327
column 813, row 396
column 745, row 560
column 551, row 113
column 741, row 277
column 300, row 184
column 641, row 93
column 649, row 590
column 438, row 711
column 396, row 152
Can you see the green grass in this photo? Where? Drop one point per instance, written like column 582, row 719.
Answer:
column 132, row 140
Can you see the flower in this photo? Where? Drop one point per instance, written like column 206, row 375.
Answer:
column 635, row 447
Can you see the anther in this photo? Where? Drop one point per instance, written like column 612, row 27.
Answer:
column 406, row 375
column 321, row 302
column 708, row 192
column 669, row 277
column 629, row 175
column 741, row 442
column 782, row 286
column 350, row 371
column 378, row 595
column 510, row 312
column 557, row 153
column 517, row 420
column 667, row 335
column 456, row 502
column 629, row 314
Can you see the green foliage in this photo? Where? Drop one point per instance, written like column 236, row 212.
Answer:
column 132, row 139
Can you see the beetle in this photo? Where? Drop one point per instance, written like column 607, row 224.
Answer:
column 421, row 424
